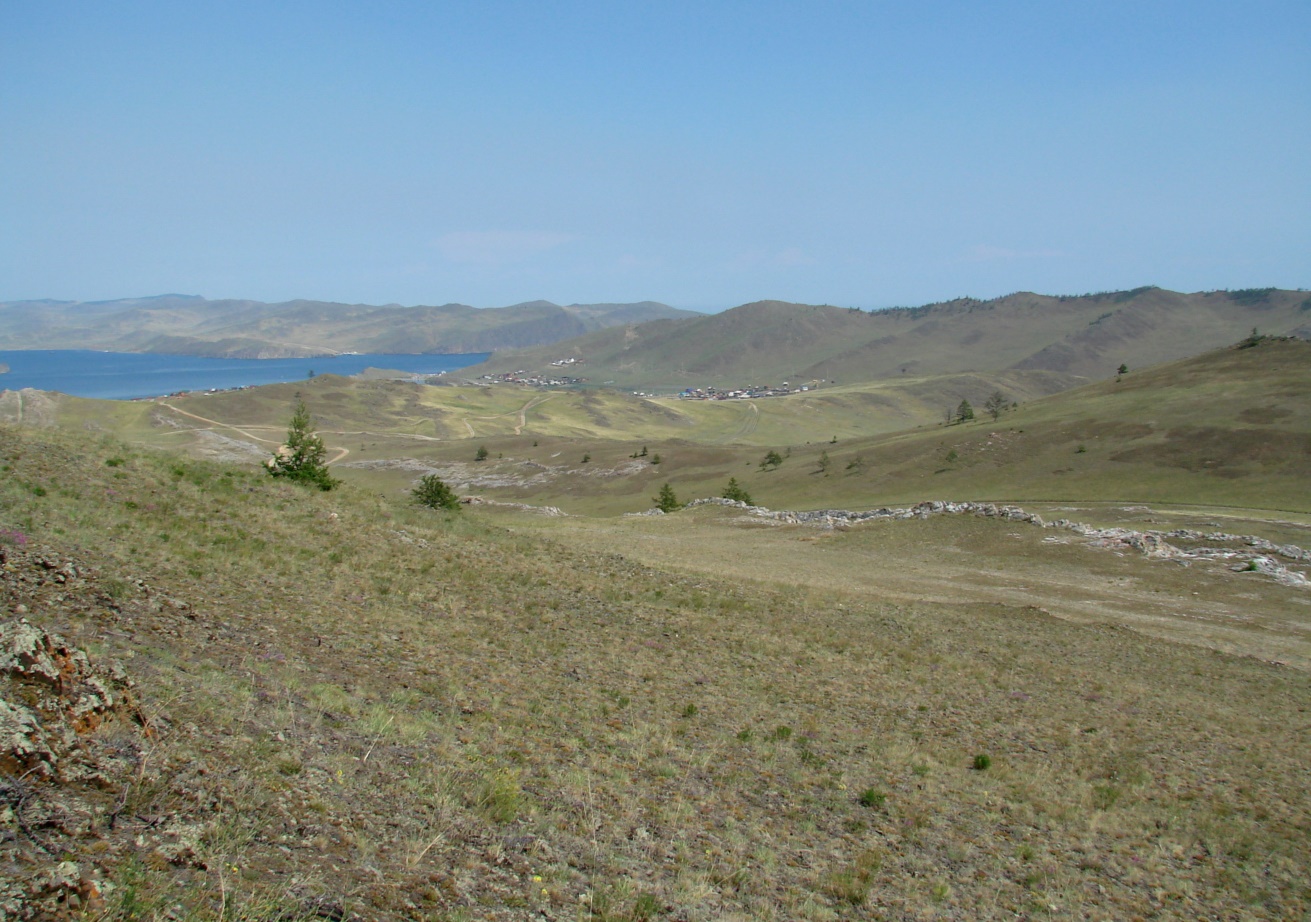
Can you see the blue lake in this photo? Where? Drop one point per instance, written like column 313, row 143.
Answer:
column 128, row 375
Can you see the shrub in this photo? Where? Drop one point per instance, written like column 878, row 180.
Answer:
column 872, row 798
column 433, row 492
column 981, row 763
column 481, row 453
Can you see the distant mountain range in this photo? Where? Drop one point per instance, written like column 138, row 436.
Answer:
column 192, row 325
column 1077, row 338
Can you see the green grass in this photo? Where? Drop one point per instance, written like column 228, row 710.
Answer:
column 1224, row 429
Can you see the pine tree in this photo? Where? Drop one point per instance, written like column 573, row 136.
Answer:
column 433, row 492
column 735, row 491
column 665, row 500
column 301, row 458
column 964, row 412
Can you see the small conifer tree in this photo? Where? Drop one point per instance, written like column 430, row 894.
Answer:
column 665, row 500
column 301, row 458
column 735, row 491
column 433, row 492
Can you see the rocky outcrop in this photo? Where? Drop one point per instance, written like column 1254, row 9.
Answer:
column 50, row 696
column 1159, row 545
column 72, row 742
column 552, row 511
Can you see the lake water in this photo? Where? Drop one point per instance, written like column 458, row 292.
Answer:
column 128, row 375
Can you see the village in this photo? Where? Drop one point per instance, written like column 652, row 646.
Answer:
column 524, row 378
column 746, row 393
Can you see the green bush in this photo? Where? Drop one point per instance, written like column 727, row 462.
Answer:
column 433, row 492
column 872, row 798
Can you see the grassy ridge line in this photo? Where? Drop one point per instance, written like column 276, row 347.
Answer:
column 406, row 714
column 1226, row 429
column 405, row 413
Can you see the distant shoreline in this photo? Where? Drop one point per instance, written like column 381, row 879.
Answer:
column 145, row 375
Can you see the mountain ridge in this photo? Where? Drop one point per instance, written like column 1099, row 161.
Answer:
column 241, row 328
column 1084, row 336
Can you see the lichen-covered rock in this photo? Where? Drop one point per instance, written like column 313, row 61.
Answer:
column 50, row 694
column 23, row 746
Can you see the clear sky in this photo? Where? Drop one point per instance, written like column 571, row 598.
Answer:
column 704, row 154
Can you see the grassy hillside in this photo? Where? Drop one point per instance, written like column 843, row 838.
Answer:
column 1085, row 337
column 1227, row 428
column 404, row 415
column 350, row 707
column 1230, row 427
column 192, row 325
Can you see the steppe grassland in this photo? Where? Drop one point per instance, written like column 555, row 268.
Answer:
column 409, row 413
column 1226, row 429
column 449, row 719
column 972, row 560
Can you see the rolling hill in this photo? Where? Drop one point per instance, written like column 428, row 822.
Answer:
column 191, row 325
column 1085, row 338
column 1228, row 427
column 228, row 697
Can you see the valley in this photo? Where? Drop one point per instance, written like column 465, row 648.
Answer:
column 556, row 704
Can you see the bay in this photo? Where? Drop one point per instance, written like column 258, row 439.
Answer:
column 132, row 375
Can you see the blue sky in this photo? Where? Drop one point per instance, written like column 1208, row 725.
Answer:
column 702, row 154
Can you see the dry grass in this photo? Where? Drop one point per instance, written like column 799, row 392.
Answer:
column 1227, row 429
column 370, row 706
